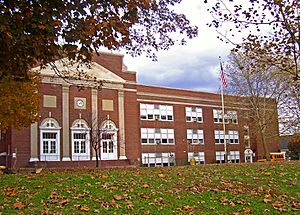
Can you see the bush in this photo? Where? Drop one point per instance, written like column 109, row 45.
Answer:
column 294, row 147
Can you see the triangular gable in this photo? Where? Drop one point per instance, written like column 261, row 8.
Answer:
column 94, row 70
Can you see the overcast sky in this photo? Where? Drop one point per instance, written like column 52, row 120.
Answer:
column 194, row 66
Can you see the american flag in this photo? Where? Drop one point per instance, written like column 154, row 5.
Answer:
column 223, row 79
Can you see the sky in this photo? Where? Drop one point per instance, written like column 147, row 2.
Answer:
column 194, row 66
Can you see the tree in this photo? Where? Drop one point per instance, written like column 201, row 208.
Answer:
column 269, row 27
column 95, row 139
column 259, row 89
column 42, row 31
column 19, row 102
column 294, row 147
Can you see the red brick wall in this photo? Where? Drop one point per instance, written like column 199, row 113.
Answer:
column 132, row 129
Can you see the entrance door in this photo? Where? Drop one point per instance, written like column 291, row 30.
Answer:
column 248, row 156
column 108, row 150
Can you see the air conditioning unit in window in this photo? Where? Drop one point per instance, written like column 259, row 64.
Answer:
column 194, row 120
column 158, row 142
column 156, row 117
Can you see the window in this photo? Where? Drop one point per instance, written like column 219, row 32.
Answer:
column 217, row 116
column 234, row 156
column 49, row 140
column 229, row 116
column 195, row 136
column 232, row 137
column 246, row 141
column 156, row 112
column 219, row 137
column 193, row 114
column 220, row 157
column 157, row 136
column 158, row 159
column 80, row 140
column 199, row 157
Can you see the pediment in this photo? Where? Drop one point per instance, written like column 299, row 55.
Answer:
column 92, row 70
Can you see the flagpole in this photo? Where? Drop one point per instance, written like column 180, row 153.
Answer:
column 223, row 113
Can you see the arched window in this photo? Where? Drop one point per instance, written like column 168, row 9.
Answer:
column 109, row 140
column 49, row 140
column 80, row 140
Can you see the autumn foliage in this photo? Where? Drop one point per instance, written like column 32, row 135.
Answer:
column 45, row 30
column 19, row 102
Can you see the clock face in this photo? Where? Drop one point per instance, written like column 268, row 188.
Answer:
column 80, row 103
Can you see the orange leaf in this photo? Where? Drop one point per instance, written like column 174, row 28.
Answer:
column 247, row 210
column 161, row 175
column 64, row 202
column 105, row 176
column 267, row 200
column 85, row 208
column 18, row 205
column 146, row 186
column 118, row 198
column 277, row 205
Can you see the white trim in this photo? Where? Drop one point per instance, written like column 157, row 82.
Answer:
column 79, row 130
column 3, row 154
column 53, row 129
column 109, row 127
column 66, row 159
column 189, row 104
column 33, row 160
column 123, row 157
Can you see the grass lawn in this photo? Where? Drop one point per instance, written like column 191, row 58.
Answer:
column 260, row 188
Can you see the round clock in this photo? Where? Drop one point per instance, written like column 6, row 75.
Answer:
column 80, row 103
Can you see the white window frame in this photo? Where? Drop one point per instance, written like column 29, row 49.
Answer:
column 199, row 157
column 50, row 126
column 219, row 137
column 233, row 137
column 158, row 159
column 234, row 156
column 230, row 117
column 156, row 112
column 220, row 156
column 194, row 114
column 157, row 136
column 80, row 127
column 195, row 136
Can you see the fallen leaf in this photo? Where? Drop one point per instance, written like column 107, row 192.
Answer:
column 85, row 208
column 105, row 176
column 18, row 205
column 12, row 193
column 267, row 200
column 64, row 202
column 277, row 205
column 146, row 186
column 247, row 210
column 161, row 175
column 232, row 204
column 118, row 198
column 296, row 205
column 145, row 196
column 268, row 174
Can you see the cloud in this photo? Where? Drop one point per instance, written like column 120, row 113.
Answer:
column 194, row 66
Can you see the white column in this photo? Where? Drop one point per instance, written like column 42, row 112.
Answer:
column 121, row 125
column 66, row 123
column 34, row 142
column 94, row 116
